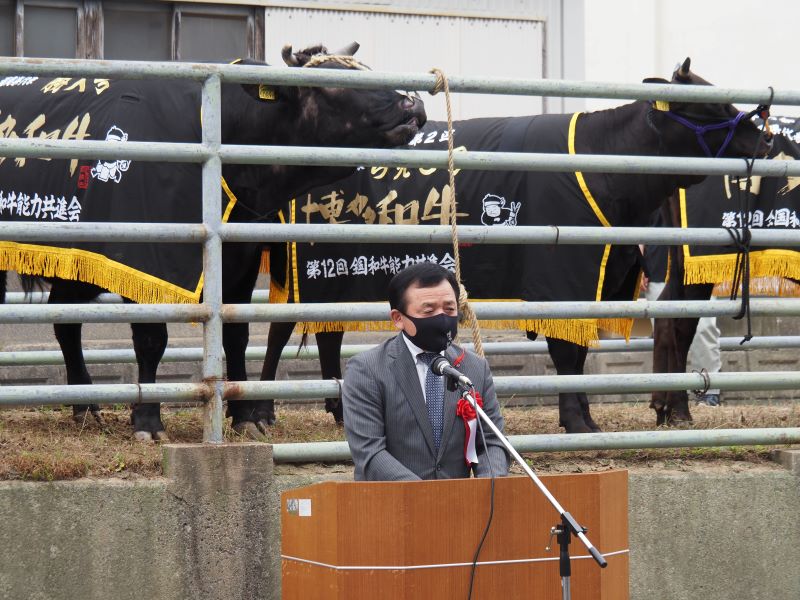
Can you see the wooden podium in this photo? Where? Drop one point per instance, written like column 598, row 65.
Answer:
column 409, row 540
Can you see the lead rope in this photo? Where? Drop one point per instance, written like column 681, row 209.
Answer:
column 463, row 300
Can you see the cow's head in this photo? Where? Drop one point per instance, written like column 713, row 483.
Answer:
column 341, row 116
column 705, row 128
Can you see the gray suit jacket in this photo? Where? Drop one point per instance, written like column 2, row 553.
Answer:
column 387, row 425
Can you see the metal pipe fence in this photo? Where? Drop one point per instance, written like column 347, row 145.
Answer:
column 378, row 311
column 212, row 154
column 559, row 442
column 16, row 358
column 299, row 391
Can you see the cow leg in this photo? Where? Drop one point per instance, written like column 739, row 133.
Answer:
column 68, row 336
column 583, row 400
column 567, row 402
column 279, row 334
column 672, row 339
column 330, row 354
column 568, row 359
column 149, row 343
column 248, row 417
column 239, row 274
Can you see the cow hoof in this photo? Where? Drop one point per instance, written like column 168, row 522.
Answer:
column 250, row 430
column 161, row 436
column 143, row 436
column 98, row 417
column 81, row 417
column 577, row 428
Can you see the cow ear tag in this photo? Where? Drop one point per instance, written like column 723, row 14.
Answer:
column 662, row 105
column 266, row 92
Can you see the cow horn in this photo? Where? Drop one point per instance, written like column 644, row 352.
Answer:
column 288, row 57
column 348, row 50
column 684, row 70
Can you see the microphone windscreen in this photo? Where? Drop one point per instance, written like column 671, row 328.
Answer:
column 438, row 365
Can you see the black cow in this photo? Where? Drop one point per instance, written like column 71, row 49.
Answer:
column 640, row 128
column 763, row 202
column 251, row 114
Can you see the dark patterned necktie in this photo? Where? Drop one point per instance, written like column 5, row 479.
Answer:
column 434, row 397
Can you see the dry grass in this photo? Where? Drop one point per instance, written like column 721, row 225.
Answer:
column 45, row 445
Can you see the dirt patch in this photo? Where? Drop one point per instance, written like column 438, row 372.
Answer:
column 45, row 444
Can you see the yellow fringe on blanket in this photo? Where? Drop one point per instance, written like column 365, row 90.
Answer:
column 620, row 326
column 579, row 331
column 719, row 268
column 277, row 293
column 763, row 286
column 74, row 264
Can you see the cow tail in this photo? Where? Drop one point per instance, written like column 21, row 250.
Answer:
column 32, row 283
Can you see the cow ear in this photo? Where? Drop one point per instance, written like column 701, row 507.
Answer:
column 658, row 104
column 271, row 93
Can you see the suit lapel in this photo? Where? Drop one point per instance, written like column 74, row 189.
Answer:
column 404, row 370
column 450, row 402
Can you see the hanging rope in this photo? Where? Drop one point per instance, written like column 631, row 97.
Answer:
column 741, row 237
column 463, row 300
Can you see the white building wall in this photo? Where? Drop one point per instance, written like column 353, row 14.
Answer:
column 497, row 38
column 732, row 43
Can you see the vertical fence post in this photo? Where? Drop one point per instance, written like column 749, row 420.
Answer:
column 212, row 259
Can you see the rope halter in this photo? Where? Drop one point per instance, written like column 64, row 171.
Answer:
column 762, row 110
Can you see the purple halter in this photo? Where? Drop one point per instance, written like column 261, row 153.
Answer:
column 701, row 130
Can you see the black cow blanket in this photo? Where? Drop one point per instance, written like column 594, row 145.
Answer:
column 378, row 195
column 109, row 190
column 772, row 203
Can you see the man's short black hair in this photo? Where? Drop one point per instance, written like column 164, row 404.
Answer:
column 424, row 275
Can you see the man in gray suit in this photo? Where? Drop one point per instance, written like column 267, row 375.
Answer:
column 399, row 418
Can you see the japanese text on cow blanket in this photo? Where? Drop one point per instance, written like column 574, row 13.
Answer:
column 42, row 208
column 329, row 268
column 779, row 217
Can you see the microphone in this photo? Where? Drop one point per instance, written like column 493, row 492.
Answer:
column 441, row 366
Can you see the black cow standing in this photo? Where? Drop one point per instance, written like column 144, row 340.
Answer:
column 292, row 115
column 672, row 337
column 640, row 128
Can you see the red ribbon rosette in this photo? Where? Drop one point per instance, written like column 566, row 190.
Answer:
column 470, row 418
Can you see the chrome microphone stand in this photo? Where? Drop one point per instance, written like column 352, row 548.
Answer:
column 568, row 526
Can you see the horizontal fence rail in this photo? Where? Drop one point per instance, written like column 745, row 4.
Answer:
column 634, row 440
column 171, row 355
column 354, row 157
column 211, row 154
column 303, row 390
column 387, row 234
column 379, row 311
column 385, row 80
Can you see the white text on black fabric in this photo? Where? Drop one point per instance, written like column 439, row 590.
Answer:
column 41, row 208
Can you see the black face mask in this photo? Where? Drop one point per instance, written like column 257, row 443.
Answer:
column 435, row 333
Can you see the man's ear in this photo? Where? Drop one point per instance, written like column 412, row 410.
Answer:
column 397, row 318
column 271, row 93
